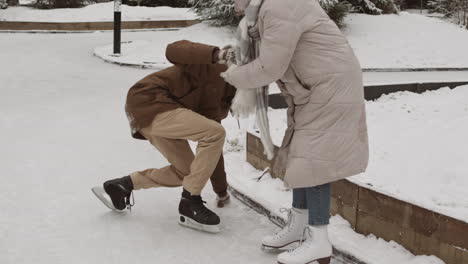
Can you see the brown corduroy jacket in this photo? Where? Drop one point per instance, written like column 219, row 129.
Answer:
column 193, row 82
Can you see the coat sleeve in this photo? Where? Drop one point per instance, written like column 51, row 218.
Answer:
column 187, row 52
column 280, row 37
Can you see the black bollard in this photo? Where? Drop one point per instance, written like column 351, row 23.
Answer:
column 117, row 25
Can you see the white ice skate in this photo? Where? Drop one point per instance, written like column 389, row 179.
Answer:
column 290, row 234
column 315, row 248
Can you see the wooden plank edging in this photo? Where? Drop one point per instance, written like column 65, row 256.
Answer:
column 437, row 69
column 93, row 26
column 372, row 92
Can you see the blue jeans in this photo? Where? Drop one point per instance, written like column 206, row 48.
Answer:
column 317, row 200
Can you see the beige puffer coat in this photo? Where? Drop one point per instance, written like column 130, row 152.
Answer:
column 321, row 79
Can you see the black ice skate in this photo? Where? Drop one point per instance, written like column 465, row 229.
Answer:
column 194, row 214
column 116, row 193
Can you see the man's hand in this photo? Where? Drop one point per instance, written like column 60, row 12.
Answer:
column 227, row 55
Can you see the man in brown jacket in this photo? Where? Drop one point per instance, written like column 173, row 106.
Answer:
column 184, row 102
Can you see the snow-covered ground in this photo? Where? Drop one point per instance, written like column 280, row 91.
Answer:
column 64, row 130
column 386, row 41
column 406, row 41
column 94, row 13
column 26, row 2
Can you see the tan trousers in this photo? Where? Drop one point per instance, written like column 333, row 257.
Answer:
column 169, row 133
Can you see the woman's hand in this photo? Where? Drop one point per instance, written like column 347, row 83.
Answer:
column 226, row 74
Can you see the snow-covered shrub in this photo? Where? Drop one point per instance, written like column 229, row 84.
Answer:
column 216, row 12
column 374, row 7
column 440, row 6
column 6, row 3
column 3, row 4
column 221, row 12
column 336, row 10
column 456, row 10
column 49, row 4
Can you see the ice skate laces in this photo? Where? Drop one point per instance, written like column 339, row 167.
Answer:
column 280, row 232
column 307, row 233
column 202, row 210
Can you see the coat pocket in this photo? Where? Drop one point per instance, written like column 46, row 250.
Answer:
column 314, row 145
column 300, row 93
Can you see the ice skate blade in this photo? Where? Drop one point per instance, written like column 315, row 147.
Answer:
column 104, row 198
column 190, row 223
column 326, row 260
column 272, row 250
column 268, row 249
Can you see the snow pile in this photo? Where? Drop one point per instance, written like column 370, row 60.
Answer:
column 371, row 249
column 94, row 13
column 386, row 41
column 26, row 2
column 419, row 149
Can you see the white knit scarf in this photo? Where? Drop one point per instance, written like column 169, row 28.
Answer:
column 248, row 45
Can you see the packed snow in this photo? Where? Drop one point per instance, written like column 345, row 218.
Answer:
column 26, row 2
column 386, row 41
column 419, row 149
column 406, row 41
column 95, row 13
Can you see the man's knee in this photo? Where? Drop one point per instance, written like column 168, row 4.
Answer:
column 219, row 132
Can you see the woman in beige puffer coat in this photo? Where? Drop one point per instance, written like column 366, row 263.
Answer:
column 304, row 51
